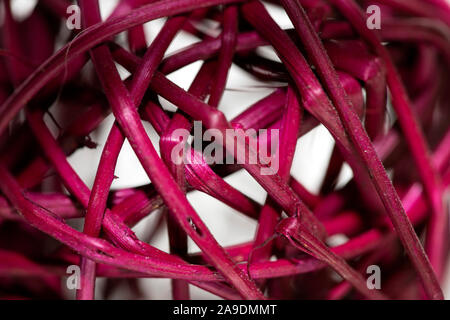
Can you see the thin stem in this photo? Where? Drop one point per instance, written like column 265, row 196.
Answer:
column 365, row 148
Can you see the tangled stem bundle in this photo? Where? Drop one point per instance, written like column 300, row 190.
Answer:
column 333, row 70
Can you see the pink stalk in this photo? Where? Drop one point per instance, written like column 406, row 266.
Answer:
column 332, row 71
column 366, row 151
column 302, row 239
column 228, row 36
column 128, row 119
column 270, row 213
